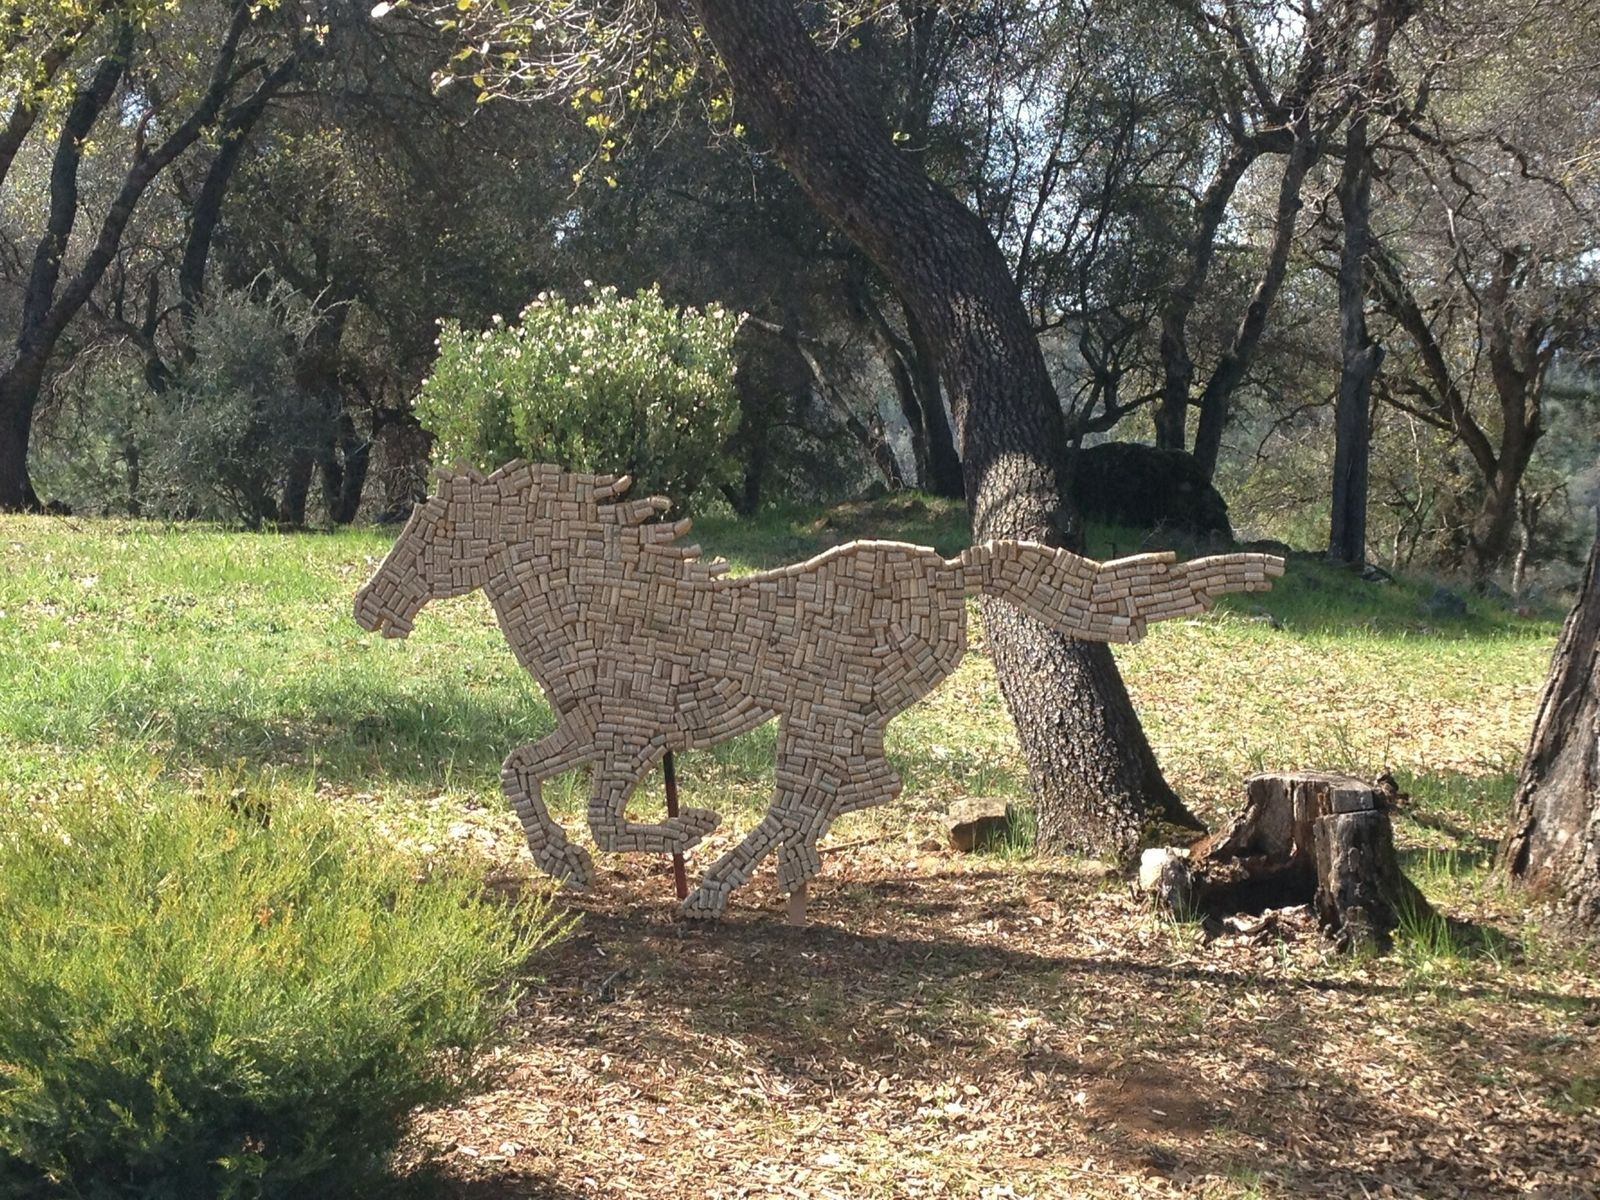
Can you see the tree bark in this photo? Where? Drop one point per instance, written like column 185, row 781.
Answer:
column 895, row 354
column 944, row 463
column 342, row 459
column 17, row 398
column 355, row 460
column 1553, row 843
column 1096, row 783
column 1519, row 353
column 751, row 445
column 914, row 370
column 296, row 496
column 47, row 313
column 1236, row 359
column 1177, row 367
column 25, row 109
column 24, row 375
column 1360, row 358
column 1529, row 505
column 206, row 213
column 869, row 434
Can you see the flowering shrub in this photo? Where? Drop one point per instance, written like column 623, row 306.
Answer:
column 622, row 383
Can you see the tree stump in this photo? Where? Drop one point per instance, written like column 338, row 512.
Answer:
column 1304, row 837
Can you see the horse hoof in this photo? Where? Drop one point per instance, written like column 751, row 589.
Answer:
column 571, row 866
column 704, row 905
column 797, row 864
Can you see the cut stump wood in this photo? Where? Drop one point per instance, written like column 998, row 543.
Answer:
column 1305, row 837
column 1362, row 895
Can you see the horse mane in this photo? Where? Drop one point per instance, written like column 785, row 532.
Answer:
column 648, row 545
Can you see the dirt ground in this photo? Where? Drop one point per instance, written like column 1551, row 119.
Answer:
column 975, row 1026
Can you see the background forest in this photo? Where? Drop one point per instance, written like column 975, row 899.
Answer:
column 229, row 236
column 1317, row 275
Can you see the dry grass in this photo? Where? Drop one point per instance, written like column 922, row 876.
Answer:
column 953, row 1026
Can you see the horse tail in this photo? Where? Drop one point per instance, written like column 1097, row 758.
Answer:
column 1108, row 601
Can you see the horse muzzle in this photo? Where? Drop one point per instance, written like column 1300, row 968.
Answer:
column 375, row 619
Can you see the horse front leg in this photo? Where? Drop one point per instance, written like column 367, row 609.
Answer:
column 836, row 787
column 521, row 778
column 808, row 780
column 615, row 778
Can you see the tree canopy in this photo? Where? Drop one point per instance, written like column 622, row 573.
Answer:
column 1162, row 179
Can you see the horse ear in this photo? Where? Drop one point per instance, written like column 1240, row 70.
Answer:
column 505, row 470
column 515, row 476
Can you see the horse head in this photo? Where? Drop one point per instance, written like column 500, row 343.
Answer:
column 443, row 551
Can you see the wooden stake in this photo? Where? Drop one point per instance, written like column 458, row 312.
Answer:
column 797, row 907
column 680, row 878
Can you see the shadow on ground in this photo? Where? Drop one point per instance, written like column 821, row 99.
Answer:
column 1038, row 1023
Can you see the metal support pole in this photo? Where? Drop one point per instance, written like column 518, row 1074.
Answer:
column 680, row 878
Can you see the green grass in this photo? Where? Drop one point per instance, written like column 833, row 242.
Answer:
column 198, row 661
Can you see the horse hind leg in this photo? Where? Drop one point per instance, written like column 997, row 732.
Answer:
column 876, row 783
column 521, row 778
column 813, row 780
column 799, row 860
column 733, row 869
column 854, row 788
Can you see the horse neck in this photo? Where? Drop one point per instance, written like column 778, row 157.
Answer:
column 555, row 565
column 548, row 571
column 648, row 564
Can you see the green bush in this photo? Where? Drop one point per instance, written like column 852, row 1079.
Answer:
column 95, row 435
column 200, row 1003
column 236, row 420
column 216, row 443
column 618, row 384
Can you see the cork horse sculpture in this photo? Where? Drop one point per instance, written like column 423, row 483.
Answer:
column 642, row 648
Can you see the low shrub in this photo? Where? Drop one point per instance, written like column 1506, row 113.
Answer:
column 204, row 1000
column 217, row 442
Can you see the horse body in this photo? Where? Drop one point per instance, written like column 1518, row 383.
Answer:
column 649, row 660
column 642, row 648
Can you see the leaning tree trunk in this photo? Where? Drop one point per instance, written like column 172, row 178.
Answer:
column 1177, row 368
column 1096, row 783
column 1553, row 845
column 1234, row 365
column 19, row 392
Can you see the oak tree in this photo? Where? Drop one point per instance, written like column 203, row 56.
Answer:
column 1097, row 785
column 1552, row 844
